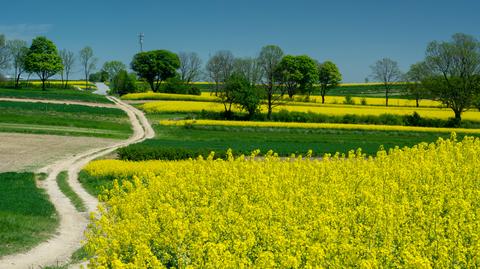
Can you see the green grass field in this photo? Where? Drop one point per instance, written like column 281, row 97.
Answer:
column 26, row 216
column 54, row 94
column 284, row 141
column 44, row 118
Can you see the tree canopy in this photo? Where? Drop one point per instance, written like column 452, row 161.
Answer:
column 328, row 76
column 454, row 72
column 155, row 66
column 43, row 59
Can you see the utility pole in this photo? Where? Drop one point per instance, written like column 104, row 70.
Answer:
column 140, row 36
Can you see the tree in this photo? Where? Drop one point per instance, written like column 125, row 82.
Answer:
column 288, row 72
column 413, row 78
column 88, row 62
column 155, row 66
column 190, row 67
column 269, row 58
column 123, row 83
column 220, row 67
column 4, row 54
column 454, row 69
column 18, row 50
column 249, row 68
column 245, row 94
column 112, row 68
column 297, row 73
column 43, row 59
column 329, row 77
column 68, row 60
column 386, row 71
column 100, row 76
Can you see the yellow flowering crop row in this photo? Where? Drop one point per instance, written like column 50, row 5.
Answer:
column 411, row 208
column 192, row 106
column 168, row 96
column 344, row 126
column 313, row 100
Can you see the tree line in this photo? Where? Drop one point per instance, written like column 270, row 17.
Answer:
column 449, row 73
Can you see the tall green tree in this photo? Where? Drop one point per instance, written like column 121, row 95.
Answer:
column 269, row 59
column 155, row 66
column 386, row 71
column 88, row 62
column 413, row 81
column 455, row 72
column 329, row 77
column 18, row 50
column 297, row 73
column 113, row 67
column 43, row 59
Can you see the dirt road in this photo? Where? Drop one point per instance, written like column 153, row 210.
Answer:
column 72, row 223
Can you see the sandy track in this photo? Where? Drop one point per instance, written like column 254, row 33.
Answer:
column 72, row 223
column 61, row 102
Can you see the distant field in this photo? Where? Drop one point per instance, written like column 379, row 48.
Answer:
column 280, row 139
column 328, row 109
column 26, row 216
column 298, row 99
column 54, row 94
column 44, row 118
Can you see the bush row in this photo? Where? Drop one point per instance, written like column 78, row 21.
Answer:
column 141, row 152
column 384, row 119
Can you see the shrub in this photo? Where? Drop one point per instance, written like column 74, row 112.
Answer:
column 363, row 101
column 349, row 100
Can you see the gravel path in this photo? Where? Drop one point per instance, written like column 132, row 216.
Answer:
column 68, row 238
column 102, row 88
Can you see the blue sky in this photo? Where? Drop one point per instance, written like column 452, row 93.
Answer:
column 353, row 34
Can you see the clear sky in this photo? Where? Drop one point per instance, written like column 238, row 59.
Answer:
column 353, row 34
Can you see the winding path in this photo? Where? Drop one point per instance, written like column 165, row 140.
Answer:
column 67, row 239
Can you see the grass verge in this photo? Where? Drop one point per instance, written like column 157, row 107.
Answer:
column 26, row 215
column 54, row 94
column 62, row 181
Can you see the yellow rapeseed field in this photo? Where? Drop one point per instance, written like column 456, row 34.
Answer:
column 344, row 126
column 192, row 106
column 168, row 96
column 409, row 208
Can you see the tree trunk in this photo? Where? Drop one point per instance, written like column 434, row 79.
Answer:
column 418, row 101
column 269, row 114
column 386, row 97
column 458, row 115
column 66, row 81
column 43, row 84
column 17, row 81
column 323, row 98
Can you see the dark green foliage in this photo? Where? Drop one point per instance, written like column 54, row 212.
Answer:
column 177, row 86
column 26, row 216
column 124, row 83
column 100, row 76
column 383, row 119
column 155, row 66
column 43, row 59
column 297, row 73
column 349, row 100
column 329, row 77
column 245, row 95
